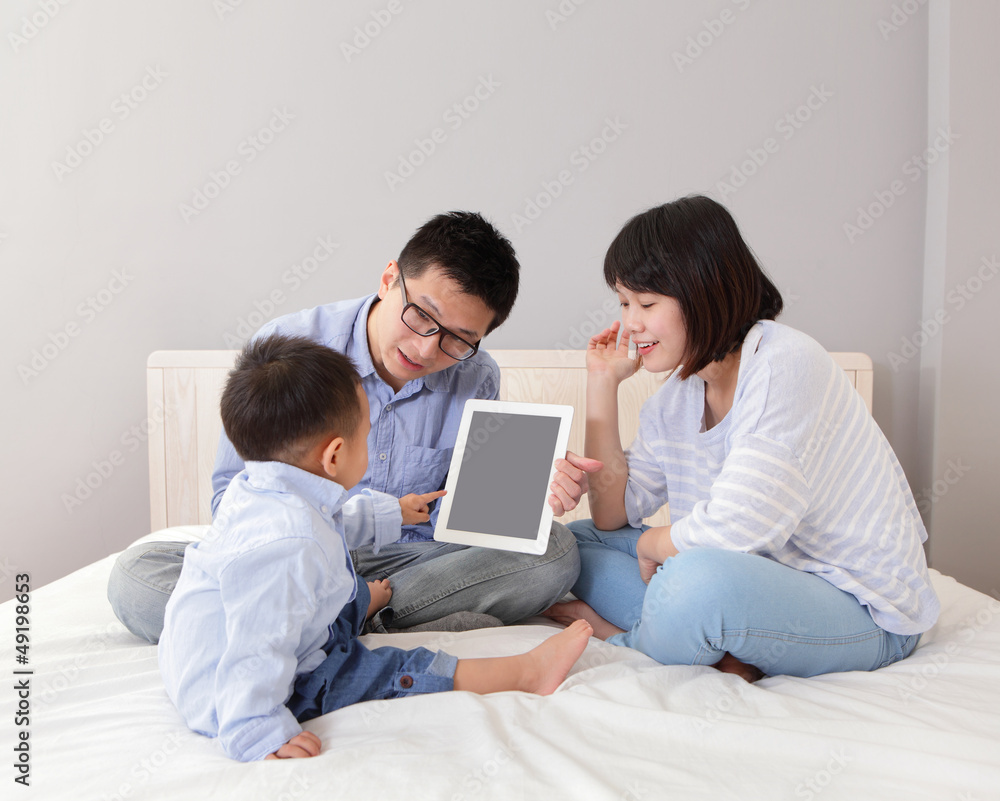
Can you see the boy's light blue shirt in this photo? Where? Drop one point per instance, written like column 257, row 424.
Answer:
column 254, row 603
column 413, row 431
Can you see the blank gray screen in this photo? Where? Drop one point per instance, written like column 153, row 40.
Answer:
column 504, row 479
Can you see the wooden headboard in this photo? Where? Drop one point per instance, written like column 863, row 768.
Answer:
column 183, row 389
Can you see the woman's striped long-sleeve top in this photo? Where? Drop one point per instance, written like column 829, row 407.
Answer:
column 797, row 471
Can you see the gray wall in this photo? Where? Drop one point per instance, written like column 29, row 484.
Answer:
column 809, row 112
column 960, row 382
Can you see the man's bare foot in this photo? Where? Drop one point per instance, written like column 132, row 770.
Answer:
column 569, row 611
column 381, row 592
column 730, row 664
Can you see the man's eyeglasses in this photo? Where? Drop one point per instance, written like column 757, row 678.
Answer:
column 420, row 322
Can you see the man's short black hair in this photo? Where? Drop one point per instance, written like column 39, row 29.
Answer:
column 283, row 393
column 472, row 253
column 691, row 250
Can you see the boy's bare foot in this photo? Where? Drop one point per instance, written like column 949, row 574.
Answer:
column 381, row 592
column 730, row 664
column 552, row 660
column 541, row 670
column 569, row 611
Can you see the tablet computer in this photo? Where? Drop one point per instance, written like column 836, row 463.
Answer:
column 498, row 483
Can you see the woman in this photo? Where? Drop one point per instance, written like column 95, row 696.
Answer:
column 795, row 546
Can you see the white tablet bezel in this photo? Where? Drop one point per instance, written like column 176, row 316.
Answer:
column 444, row 533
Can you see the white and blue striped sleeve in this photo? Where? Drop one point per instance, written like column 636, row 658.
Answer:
column 646, row 488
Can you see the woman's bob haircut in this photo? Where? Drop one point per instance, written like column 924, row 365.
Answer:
column 691, row 250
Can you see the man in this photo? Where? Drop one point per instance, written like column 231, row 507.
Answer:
column 416, row 345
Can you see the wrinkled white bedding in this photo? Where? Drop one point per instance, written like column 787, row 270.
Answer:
column 621, row 727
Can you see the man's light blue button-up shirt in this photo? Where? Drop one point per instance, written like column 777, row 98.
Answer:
column 413, row 431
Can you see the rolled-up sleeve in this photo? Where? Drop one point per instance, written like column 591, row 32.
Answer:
column 372, row 517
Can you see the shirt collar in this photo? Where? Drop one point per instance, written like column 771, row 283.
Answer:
column 441, row 380
column 357, row 345
column 323, row 494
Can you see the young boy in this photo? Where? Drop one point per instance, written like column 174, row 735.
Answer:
column 261, row 631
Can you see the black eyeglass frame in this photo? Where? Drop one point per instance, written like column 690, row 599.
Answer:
column 439, row 330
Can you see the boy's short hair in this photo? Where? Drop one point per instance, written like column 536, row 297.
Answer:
column 283, row 393
column 692, row 250
column 472, row 253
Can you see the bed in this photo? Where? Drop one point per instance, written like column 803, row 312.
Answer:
column 620, row 727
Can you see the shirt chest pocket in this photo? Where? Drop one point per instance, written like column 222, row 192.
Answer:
column 425, row 469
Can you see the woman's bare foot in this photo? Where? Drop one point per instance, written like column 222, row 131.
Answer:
column 541, row 670
column 381, row 592
column 569, row 611
column 730, row 664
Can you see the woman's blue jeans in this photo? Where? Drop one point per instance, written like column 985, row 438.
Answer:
column 705, row 602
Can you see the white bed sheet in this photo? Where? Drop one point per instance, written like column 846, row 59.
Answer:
column 621, row 726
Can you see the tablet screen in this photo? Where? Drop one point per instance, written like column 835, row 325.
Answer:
column 506, row 456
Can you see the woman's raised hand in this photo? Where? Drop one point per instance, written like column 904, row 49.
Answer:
column 605, row 357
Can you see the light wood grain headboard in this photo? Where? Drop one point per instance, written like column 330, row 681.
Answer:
column 184, row 386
